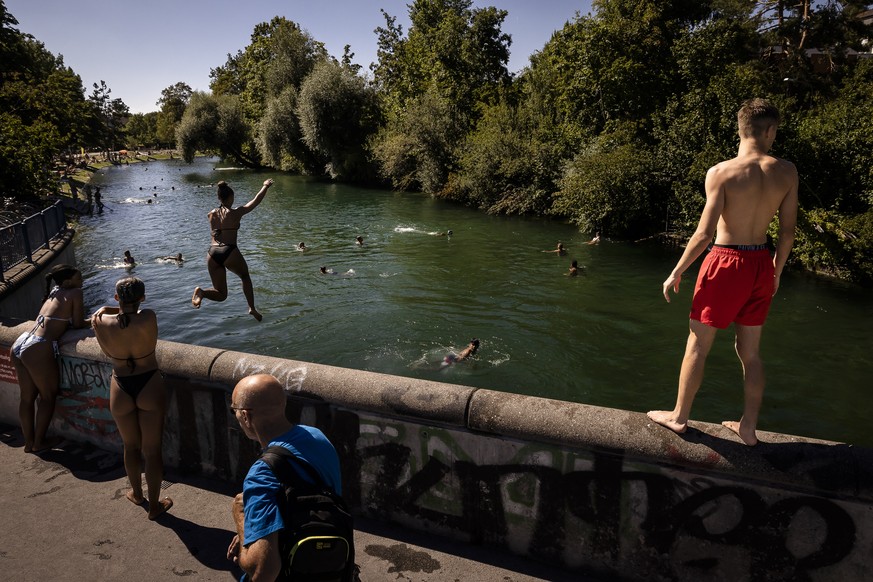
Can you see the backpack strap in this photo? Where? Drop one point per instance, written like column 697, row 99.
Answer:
column 275, row 455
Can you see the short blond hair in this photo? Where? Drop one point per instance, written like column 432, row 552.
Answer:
column 755, row 116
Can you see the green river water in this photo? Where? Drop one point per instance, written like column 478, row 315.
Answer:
column 606, row 338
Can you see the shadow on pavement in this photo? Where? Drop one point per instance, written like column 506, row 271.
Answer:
column 207, row 544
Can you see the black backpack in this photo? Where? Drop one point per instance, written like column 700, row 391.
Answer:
column 318, row 541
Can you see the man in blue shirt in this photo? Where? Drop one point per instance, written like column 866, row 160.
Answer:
column 258, row 402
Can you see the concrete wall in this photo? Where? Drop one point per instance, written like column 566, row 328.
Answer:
column 22, row 290
column 595, row 489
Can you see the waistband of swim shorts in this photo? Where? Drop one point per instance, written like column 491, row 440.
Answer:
column 747, row 250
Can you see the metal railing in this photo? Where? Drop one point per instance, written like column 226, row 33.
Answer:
column 19, row 241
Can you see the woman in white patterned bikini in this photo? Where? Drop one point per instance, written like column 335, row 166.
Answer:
column 34, row 353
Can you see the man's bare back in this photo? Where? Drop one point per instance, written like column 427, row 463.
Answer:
column 754, row 187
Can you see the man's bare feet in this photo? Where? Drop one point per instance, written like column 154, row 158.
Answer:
column 28, row 447
column 255, row 313
column 163, row 507
column 748, row 437
column 666, row 418
column 134, row 499
column 197, row 298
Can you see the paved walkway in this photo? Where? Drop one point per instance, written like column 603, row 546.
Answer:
column 65, row 517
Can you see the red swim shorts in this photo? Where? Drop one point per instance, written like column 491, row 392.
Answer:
column 733, row 286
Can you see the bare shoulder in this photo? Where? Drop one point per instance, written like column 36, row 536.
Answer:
column 785, row 166
column 73, row 293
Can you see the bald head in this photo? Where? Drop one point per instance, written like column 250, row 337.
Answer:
column 260, row 392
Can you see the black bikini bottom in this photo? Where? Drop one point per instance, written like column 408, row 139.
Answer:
column 220, row 253
column 133, row 385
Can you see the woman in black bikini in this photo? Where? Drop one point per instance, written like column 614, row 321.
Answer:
column 223, row 254
column 137, row 398
column 34, row 353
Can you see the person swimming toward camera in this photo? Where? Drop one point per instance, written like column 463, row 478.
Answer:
column 467, row 352
column 359, row 240
column 129, row 261
column 574, row 269
column 223, row 254
column 301, row 246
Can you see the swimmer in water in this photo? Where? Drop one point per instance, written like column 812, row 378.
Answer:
column 129, row 260
column 447, row 233
column 223, row 254
column 467, row 352
column 301, row 246
column 326, row 271
column 177, row 258
column 595, row 240
column 560, row 250
column 359, row 240
column 574, row 269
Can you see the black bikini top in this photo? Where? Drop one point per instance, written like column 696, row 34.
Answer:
column 216, row 232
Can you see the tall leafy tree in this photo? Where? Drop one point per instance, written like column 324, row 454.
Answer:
column 281, row 54
column 173, row 101
column 141, row 130
column 216, row 124
column 452, row 64
column 43, row 111
column 111, row 116
column 338, row 113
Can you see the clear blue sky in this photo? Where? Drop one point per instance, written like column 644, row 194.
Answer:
column 140, row 48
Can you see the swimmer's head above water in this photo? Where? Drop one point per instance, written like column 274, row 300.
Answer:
column 467, row 352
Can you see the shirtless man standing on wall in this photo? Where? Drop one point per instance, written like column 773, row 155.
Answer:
column 738, row 277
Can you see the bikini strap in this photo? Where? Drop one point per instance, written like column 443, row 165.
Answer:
column 131, row 363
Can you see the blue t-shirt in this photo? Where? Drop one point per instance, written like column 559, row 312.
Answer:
column 260, row 488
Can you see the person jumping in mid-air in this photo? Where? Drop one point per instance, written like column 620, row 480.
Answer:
column 223, row 254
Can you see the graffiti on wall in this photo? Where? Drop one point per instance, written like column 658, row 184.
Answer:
column 291, row 378
column 7, row 370
column 597, row 508
column 579, row 508
column 83, row 403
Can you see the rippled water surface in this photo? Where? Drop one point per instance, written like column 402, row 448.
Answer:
column 606, row 338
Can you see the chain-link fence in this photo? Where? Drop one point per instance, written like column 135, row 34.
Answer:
column 19, row 241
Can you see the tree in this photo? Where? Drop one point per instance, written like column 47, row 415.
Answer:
column 213, row 123
column 43, row 111
column 452, row 51
column 418, row 148
column 173, row 101
column 434, row 84
column 110, row 115
column 280, row 140
column 338, row 113
column 280, row 55
column 141, row 130
column 508, row 164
